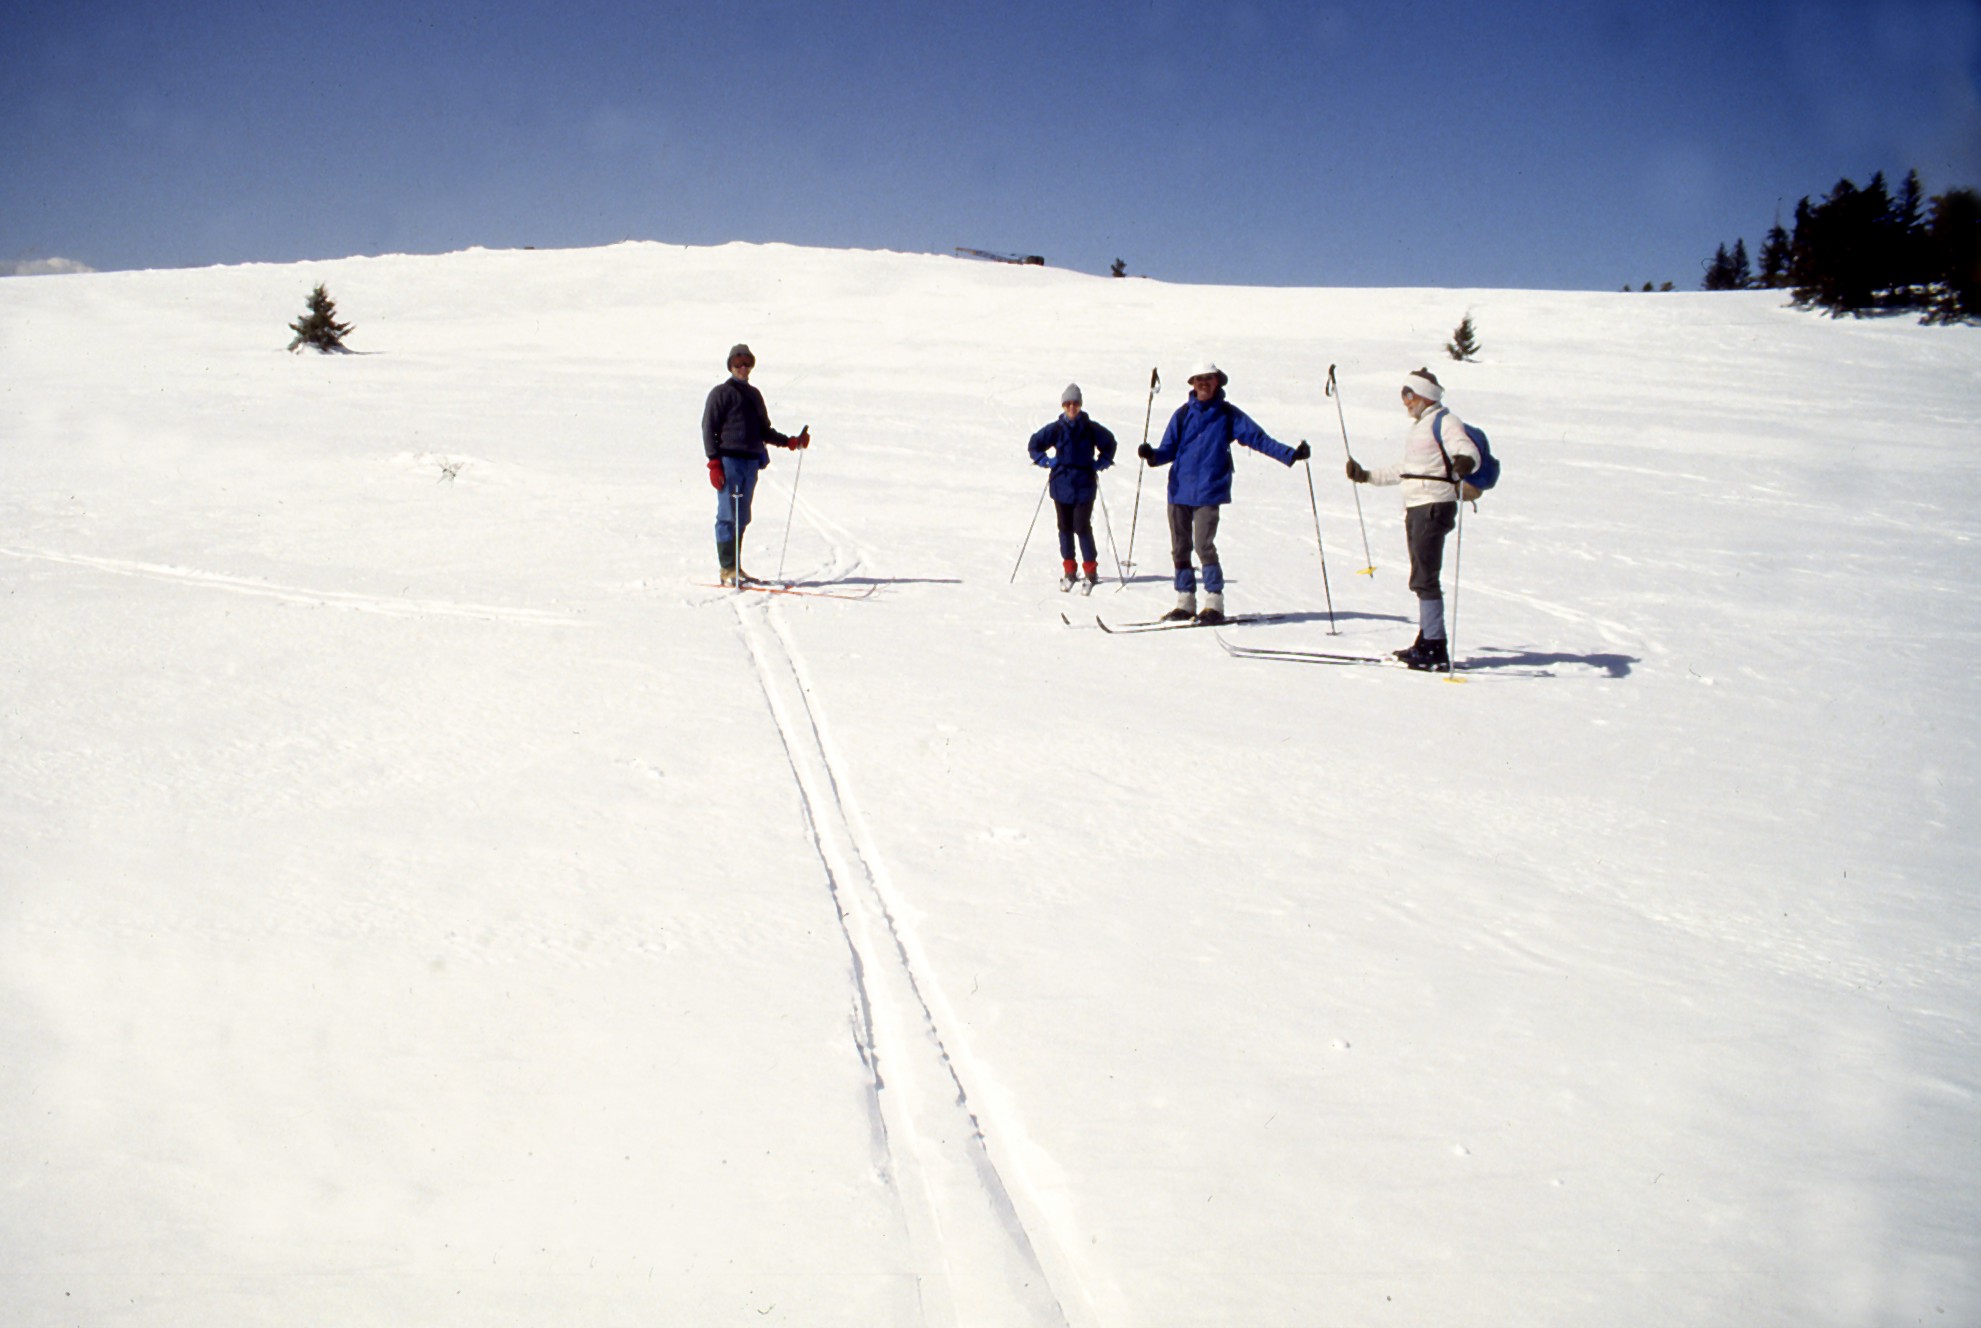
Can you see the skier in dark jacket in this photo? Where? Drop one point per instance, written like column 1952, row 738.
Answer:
column 1197, row 448
column 735, row 427
column 1080, row 449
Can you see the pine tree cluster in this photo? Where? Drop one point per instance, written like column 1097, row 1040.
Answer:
column 1867, row 251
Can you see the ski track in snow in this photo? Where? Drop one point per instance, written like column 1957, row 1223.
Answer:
column 1614, row 633
column 388, row 605
column 980, row 1261
column 836, row 536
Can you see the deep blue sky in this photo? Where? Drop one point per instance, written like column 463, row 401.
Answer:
column 1451, row 144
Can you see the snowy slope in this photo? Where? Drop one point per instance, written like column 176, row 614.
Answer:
column 422, row 900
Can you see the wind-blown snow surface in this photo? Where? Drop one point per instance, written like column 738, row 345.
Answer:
column 426, row 902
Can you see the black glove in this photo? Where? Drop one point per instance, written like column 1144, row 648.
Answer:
column 1462, row 466
column 1145, row 452
column 1356, row 473
column 1302, row 452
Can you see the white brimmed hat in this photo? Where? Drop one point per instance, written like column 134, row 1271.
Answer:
column 1205, row 369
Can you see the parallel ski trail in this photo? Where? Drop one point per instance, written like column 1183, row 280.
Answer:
column 389, row 605
column 979, row 1263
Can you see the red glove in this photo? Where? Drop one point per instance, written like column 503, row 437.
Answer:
column 715, row 476
column 802, row 441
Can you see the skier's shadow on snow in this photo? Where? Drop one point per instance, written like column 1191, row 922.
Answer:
column 1615, row 666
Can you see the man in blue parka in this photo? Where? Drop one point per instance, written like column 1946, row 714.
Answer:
column 1080, row 450
column 1197, row 448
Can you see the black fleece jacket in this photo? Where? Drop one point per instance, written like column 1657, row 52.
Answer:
column 735, row 422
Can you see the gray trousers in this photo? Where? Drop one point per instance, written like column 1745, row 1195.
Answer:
column 1424, row 529
column 1195, row 528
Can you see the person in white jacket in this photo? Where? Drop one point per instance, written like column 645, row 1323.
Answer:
column 1437, row 454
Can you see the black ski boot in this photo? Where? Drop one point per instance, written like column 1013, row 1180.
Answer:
column 1427, row 655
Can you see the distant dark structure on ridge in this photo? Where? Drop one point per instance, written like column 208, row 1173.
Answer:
column 1022, row 260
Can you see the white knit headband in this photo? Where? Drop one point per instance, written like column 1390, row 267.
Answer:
column 1424, row 387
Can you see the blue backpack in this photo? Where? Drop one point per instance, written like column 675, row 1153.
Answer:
column 1488, row 473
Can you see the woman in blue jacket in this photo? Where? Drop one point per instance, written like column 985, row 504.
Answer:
column 1197, row 448
column 1080, row 449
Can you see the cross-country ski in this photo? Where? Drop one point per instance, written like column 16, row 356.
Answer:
column 1178, row 624
column 1457, row 674
column 814, row 590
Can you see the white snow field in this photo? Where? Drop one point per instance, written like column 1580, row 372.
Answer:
column 425, row 901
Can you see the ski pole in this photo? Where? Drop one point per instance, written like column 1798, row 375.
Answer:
column 1451, row 619
column 787, row 514
column 736, row 517
column 1148, row 413
column 1108, row 522
column 1029, row 529
column 1315, row 504
column 1368, row 562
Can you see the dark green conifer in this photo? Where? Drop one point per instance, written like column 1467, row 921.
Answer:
column 1774, row 258
column 319, row 327
column 1464, row 343
column 1954, row 246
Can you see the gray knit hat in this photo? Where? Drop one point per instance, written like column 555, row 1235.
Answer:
column 739, row 352
column 1071, row 396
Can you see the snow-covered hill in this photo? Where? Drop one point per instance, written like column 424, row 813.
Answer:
column 422, row 900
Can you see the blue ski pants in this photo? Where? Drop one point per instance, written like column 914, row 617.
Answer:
column 732, row 505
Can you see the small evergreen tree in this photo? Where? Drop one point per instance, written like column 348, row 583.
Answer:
column 319, row 327
column 1774, row 258
column 1739, row 271
column 1799, row 258
column 1876, row 222
column 1912, row 250
column 1954, row 246
column 1464, row 343
column 1119, row 269
column 1729, row 270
